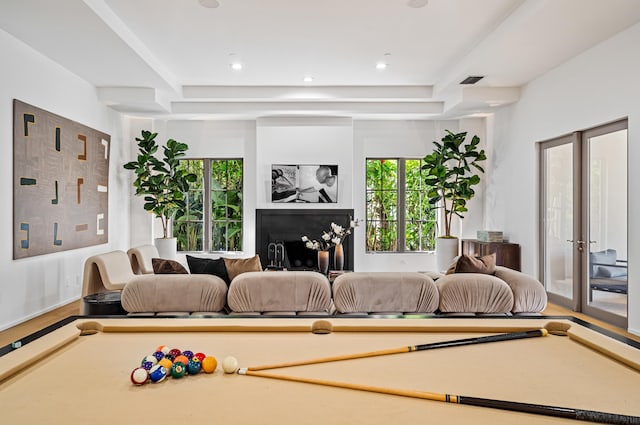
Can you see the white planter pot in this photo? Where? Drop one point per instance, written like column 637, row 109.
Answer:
column 166, row 247
column 446, row 251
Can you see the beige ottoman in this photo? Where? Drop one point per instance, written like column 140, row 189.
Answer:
column 164, row 293
column 474, row 293
column 280, row 292
column 401, row 292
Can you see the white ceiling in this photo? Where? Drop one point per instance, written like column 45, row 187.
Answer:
column 171, row 58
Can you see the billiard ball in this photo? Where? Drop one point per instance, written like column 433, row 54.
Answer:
column 158, row 355
column 139, row 376
column 166, row 363
column 163, row 348
column 229, row 364
column 178, row 370
column 151, row 359
column 194, row 367
column 188, row 354
column 169, row 356
column 182, row 359
column 157, row 373
column 200, row 356
column 147, row 365
column 175, row 352
column 209, row 364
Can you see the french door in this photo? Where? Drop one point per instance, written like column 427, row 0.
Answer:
column 583, row 231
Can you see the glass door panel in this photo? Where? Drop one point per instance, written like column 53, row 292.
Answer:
column 558, row 219
column 606, row 283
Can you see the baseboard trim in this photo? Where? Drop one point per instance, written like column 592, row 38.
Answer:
column 5, row 326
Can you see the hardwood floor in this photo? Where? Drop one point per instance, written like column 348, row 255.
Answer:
column 15, row 333
column 30, row 326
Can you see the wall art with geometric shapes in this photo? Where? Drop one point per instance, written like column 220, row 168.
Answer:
column 60, row 183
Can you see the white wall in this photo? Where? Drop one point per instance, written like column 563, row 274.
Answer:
column 304, row 141
column 34, row 285
column 220, row 139
column 596, row 87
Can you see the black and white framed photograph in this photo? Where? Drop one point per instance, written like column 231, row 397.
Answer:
column 304, row 183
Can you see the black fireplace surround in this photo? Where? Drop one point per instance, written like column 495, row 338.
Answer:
column 287, row 226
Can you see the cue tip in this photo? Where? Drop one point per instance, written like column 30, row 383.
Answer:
column 242, row 371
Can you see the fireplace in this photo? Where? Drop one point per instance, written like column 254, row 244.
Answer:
column 285, row 228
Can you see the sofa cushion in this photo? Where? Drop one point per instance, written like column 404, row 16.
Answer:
column 237, row 266
column 468, row 264
column 280, row 291
column 610, row 271
column 173, row 293
column 385, row 292
column 474, row 293
column 216, row 267
column 529, row 295
column 164, row 266
column 607, row 256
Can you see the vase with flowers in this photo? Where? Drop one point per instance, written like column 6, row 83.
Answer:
column 329, row 239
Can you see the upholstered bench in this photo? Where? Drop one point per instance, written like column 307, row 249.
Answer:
column 280, row 293
column 506, row 292
column 383, row 292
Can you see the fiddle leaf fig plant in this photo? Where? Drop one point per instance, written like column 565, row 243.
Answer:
column 161, row 181
column 451, row 174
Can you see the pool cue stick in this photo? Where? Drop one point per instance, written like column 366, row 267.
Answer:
column 408, row 349
column 538, row 409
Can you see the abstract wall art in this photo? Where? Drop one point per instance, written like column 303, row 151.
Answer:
column 61, row 183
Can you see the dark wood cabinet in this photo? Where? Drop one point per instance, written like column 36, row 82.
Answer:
column 507, row 254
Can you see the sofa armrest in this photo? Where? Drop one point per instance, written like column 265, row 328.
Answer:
column 528, row 293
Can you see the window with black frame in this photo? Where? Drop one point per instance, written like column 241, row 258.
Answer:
column 212, row 221
column 398, row 215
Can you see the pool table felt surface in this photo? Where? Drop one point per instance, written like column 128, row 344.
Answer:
column 67, row 378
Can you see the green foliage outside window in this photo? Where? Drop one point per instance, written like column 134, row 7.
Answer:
column 224, row 219
column 398, row 218
column 226, row 205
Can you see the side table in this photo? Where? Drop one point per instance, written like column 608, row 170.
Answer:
column 103, row 304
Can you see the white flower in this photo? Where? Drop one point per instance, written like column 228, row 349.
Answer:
column 305, row 239
column 309, row 245
column 354, row 223
column 326, row 236
column 336, row 240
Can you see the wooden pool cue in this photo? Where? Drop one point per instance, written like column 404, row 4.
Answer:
column 408, row 349
column 538, row 409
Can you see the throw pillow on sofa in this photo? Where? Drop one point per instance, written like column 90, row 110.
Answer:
column 164, row 266
column 236, row 266
column 468, row 264
column 212, row 266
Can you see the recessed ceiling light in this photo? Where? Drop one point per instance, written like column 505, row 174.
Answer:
column 236, row 66
column 416, row 4
column 210, row 4
column 381, row 65
column 308, row 79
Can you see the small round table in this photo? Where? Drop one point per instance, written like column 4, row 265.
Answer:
column 104, row 304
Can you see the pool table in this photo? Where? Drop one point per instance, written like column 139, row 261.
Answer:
column 80, row 372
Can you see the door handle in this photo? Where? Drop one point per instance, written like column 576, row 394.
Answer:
column 580, row 243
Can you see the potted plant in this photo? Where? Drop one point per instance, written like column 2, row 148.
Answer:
column 450, row 176
column 162, row 183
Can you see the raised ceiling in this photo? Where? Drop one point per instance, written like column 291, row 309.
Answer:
column 172, row 58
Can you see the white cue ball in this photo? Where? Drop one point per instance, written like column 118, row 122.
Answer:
column 230, row 364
